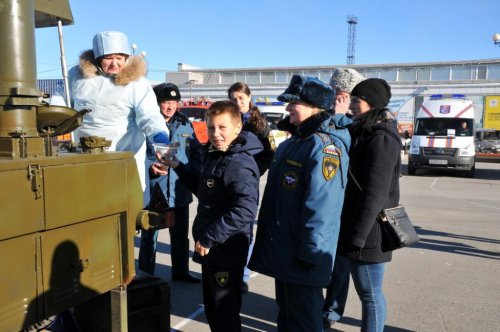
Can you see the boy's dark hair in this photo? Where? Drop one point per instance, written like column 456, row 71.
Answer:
column 224, row 106
column 256, row 120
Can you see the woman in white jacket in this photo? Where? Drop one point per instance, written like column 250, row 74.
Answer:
column 112, row 83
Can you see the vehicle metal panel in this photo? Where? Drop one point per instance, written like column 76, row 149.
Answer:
column 22, row 212
column 84, row 191
column 79, row 262
column 18, row 282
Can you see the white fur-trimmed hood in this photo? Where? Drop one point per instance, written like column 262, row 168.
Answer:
column 135, row 68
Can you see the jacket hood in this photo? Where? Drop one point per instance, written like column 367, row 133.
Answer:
column 135, row 68
column 245, row 142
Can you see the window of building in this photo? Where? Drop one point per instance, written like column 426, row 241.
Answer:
column 440, row 74
column 227, row 78
column 407, row 75
column 423, row 74
column 311, row 73
column 252, row 78
column 493, row 72
column 281, row 77
column 388, row 75
column 481, row 72
column 239, row 77
column 267, row 77
column 211, row 78
column 374, row 73
column 325, row 76
column 461, row 73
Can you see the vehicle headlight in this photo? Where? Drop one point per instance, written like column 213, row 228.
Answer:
column 414, row 148
column 467, row 151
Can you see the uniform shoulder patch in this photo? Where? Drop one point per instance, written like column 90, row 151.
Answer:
column 332, row 149
column 330, row 166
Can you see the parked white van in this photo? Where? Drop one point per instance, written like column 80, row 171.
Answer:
column 443, row 137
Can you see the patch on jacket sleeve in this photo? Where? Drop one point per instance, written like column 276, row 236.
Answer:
column 332, row 149
column 222, row 278
column 330, row 166
column 290, row 180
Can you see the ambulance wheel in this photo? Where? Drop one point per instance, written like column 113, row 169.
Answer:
column 411, row 170
column 470, row 172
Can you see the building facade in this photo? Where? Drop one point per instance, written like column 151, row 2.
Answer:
column 411, row 83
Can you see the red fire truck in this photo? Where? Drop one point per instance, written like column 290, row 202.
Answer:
column 196, row 110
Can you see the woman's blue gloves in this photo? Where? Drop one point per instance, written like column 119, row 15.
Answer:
column 161, row 138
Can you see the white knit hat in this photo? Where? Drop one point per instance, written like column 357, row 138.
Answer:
column 345, row 79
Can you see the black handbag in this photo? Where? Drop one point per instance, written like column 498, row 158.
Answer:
column 397, row 229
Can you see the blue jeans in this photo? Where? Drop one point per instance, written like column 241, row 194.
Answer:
column 336, row 292
column 246, row 271
column 368, row 280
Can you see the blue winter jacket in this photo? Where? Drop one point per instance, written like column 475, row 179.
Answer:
column 299, row 218
column 189, row 153
column 228, row 196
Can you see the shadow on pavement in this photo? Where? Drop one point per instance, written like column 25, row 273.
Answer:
column 454, row 247
column 357, row 323
column 260, row 317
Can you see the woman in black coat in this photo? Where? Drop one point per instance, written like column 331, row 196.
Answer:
column 375, row 159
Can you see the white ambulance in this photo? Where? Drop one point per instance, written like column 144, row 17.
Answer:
column 274, row 112
column 443, row 136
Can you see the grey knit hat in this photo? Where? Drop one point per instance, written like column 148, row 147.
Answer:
column 345, row 79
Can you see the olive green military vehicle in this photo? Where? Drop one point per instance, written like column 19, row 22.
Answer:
column 67, row 220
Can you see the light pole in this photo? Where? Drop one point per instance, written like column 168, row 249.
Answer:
column 190, row 83
column 134, row 47
column 496, row 39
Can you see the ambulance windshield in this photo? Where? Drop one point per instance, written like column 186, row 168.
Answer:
column 444, row 127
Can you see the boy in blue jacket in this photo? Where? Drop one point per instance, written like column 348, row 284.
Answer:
column 228, row 195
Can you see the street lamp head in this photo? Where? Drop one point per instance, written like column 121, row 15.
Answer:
column 496, row 39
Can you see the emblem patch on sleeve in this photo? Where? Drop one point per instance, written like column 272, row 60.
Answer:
column 222, row 278
column 330, row 166
column 290, row 180
column 331, row 149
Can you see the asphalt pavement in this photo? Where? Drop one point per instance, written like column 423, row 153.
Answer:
column 449, row 281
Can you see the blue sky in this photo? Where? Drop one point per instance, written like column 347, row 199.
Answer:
column 278, row 33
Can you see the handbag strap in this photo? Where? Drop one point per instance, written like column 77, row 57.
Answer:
column 354, row 179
